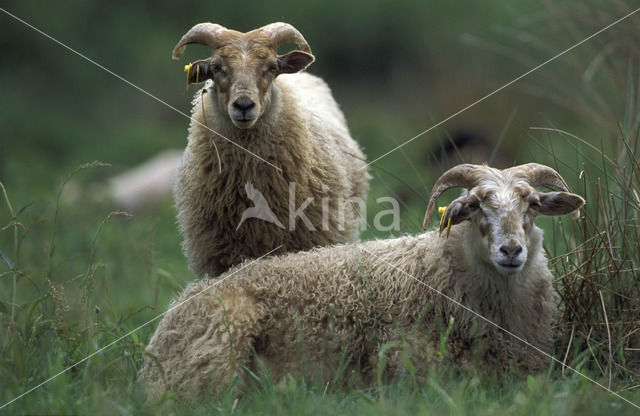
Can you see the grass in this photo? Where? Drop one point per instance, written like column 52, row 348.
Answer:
column 598, row 279
column 66, row 303
column 75, row 278
column 73, row 282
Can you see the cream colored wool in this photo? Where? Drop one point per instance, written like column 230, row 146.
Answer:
column 304, row 133
column 350, row 302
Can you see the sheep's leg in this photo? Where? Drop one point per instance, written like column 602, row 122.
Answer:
column 204, row 344
column 404, row 353
column 219, row 356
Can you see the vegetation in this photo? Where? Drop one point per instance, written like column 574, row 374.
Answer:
column 77, row 276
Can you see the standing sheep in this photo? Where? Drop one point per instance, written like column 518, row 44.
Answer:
column 263, row 126
column 351, row 304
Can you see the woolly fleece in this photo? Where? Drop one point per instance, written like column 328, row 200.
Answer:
column 341, row 308
column 304, row 133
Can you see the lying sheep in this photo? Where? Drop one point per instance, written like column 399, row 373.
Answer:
column 262, row 124
column 145, row 185
column 349, row 305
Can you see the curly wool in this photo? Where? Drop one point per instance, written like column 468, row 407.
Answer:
column 348, row 305
column 304, row 133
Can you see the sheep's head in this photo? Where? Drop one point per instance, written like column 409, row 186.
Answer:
column 502, row 205
column 244, row 65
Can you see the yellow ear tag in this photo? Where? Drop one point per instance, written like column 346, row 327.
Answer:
column 187, row 69
column 441, row 211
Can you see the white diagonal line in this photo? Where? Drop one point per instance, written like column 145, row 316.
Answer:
column 501, row 88
column 136, row 87
column 136, row 329
column 450, row 299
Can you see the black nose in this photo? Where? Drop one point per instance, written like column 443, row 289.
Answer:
column 511, row 250
column 243, row 104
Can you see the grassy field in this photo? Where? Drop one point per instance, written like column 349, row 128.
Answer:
column 86, row 277
column 77, row 276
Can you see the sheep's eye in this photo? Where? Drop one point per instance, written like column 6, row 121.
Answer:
column 474, row 205
column 271, row 70
column 533, row 200
column 217, row 70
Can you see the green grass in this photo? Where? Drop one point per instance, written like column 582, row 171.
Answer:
column 78, row 279
column 468, row 396
column 75, row 280
column 75, row 277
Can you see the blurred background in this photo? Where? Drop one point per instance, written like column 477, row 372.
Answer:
column 396, row 67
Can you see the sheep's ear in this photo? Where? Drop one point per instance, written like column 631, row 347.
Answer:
column 458, row 211
column 559, row 203
column 294, row 61
column 199, row 71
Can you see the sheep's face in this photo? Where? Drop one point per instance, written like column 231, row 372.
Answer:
column 244, row 65
column 242, row 78
column 502, row 212
column 243, row 72
column 502, row 219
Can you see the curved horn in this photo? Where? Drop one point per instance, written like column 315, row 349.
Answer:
column 464, row 176
column 541, row 175
column 284, row 33
column 203, row 33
